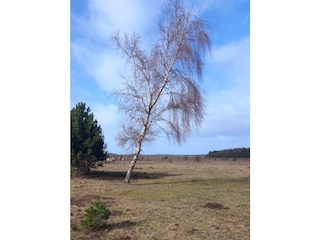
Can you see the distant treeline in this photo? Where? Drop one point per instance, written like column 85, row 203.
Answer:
column 230, row 153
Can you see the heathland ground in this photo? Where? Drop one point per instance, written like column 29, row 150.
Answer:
column 169, row 197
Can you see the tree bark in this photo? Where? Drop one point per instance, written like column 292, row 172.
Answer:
column 139, row 142
column 132, row 164
column 131, row 167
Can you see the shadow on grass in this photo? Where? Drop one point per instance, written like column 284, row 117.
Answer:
column 99, row 232
column 107, row 175
column 205, row 181
column 222, row 180
column 121, row 225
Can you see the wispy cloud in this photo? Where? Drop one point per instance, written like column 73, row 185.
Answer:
column 90, row 44
column 108, row 117
column 126, row 15
column 107, row 114
column 233, row 60
column 104, row 18
column 228, row 107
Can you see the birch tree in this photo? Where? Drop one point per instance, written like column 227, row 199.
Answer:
column 163, row 94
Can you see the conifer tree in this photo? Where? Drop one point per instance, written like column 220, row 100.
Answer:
column 87, row 139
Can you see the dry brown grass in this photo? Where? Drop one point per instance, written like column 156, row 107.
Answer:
column 168, row 198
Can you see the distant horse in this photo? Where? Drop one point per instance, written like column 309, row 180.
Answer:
column 110, row 160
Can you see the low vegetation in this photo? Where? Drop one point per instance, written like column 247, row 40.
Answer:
column 169, row 198
column 96, row 215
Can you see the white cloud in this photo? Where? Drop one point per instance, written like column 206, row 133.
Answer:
column 233, row 60
column 108, row 71
column 104, row 18
column 226, row 119
column 228, row 107
column 123, row 15
column 91, row 47
column 108, row 118
column 106, row 68
column 106, row 114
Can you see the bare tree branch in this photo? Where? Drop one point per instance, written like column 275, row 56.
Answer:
column 163, row 94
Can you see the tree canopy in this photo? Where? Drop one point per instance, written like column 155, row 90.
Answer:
column 230, row 153
column 87, row 139
column 163, row 94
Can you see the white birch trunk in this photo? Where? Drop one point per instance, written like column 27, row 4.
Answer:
column 132, row 164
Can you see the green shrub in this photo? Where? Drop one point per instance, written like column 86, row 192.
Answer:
column 95, row 215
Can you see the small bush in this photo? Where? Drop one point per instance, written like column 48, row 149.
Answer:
column 95, row 215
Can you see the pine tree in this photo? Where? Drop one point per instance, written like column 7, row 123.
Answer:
column 87, row 139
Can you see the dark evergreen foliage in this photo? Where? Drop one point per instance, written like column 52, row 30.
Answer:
column 87, row 140
column 95, row 215
column 230, row 153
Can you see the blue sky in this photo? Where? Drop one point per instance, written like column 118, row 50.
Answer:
column 96, row 68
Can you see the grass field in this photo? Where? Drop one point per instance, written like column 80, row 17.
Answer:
column 171, row 197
